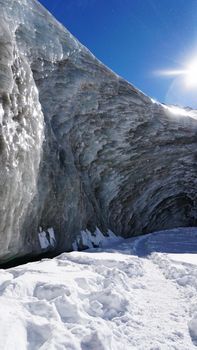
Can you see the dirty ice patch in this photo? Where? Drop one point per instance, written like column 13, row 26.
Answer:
column 87, row 239
column 47, row 238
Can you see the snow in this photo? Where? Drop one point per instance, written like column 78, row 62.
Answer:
column 177, row 110
column 1, row 113
column 134, row 294
column 180, row 111
column 187, row 258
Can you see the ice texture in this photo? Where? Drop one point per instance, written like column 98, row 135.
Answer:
column 81, row 148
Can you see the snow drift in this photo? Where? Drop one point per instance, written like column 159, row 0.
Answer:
column 81, row 148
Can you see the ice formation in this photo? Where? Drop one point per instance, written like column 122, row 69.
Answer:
column 80, row 147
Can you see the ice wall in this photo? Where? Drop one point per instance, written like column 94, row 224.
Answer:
column 80, row 147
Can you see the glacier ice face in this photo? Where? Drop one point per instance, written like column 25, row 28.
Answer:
column 80, row 147
column 21, row 138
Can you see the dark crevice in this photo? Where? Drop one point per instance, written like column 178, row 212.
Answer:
column 28, row 259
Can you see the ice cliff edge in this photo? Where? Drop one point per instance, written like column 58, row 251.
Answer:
column 80, row 147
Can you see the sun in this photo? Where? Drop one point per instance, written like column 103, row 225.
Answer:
column 191, row 75
column 188, row 73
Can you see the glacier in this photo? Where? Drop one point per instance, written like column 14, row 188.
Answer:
column 81, row 149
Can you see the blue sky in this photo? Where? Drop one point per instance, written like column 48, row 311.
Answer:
column 136, row 38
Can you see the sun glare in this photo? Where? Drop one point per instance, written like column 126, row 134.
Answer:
column 191, row 75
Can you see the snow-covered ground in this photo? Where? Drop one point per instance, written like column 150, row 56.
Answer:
column 135, row 294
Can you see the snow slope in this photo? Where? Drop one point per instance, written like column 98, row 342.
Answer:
column 131, row 294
